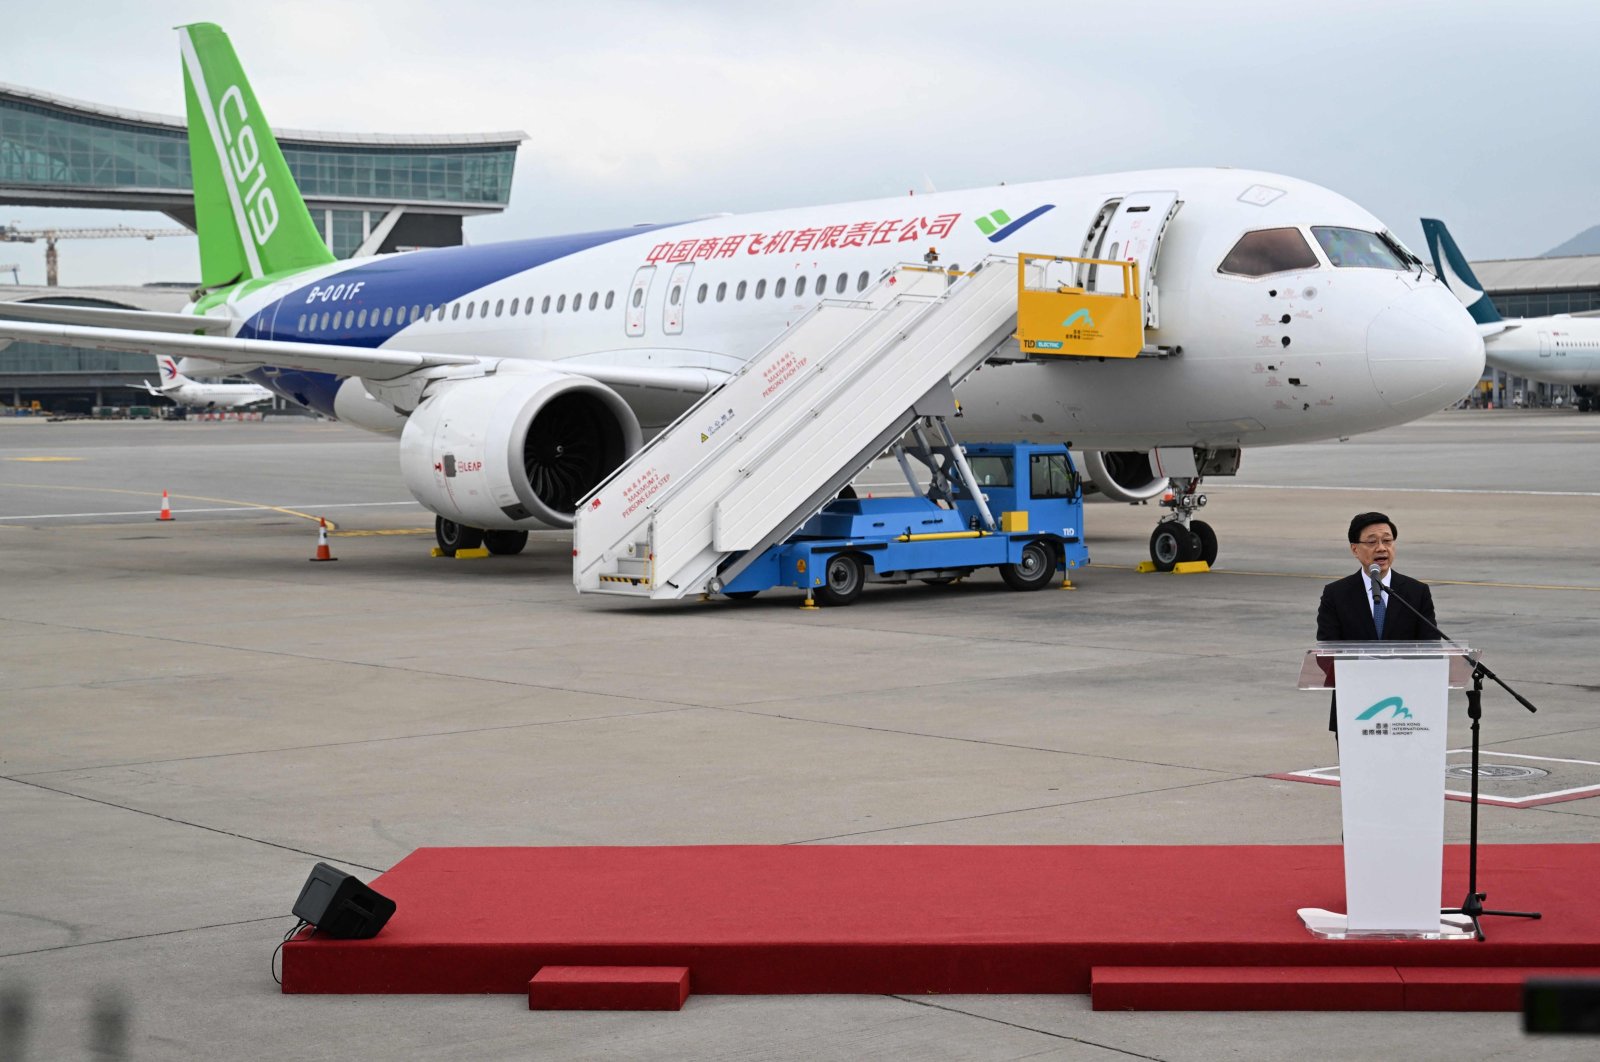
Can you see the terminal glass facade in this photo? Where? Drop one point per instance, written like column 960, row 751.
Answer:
column 1545, row 303
column 43, row 146
column 46, row 146
column 449, row 175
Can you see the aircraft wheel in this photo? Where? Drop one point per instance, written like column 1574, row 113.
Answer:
column 1171, row 543
column 505, row 543
column 842, row 580
column 1208, row 541
column 1033, row 570
column 452, row 536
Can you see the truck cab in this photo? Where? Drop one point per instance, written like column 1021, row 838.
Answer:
column 1017, row 507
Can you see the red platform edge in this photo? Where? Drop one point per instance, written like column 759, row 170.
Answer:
column 609, row 988
column 1414, row 988
column 912, row 919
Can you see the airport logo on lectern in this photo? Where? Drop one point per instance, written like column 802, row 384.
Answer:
column 1398, row 720
column 1398, row 704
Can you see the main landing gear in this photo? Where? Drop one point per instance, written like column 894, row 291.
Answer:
column 453, row 537
column 1179, row 537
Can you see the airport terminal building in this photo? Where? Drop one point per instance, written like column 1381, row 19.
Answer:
column 368, row 193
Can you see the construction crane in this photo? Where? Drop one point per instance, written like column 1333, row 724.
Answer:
column 12, row 234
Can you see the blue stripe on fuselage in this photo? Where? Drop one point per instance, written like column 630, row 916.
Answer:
column 422, row 279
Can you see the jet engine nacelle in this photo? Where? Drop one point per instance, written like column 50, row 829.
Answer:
column 514, row 450
column 1124, row 475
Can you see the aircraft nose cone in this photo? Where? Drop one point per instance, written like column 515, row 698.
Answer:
column 1424, row 351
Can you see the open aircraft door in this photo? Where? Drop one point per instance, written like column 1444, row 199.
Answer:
column 1130, row 230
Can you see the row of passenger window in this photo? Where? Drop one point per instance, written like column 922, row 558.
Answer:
column 455, row 311
column 819, row 289
column 391, row 316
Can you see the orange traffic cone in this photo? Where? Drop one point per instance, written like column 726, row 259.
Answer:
column 323, row 552
column 166, row 508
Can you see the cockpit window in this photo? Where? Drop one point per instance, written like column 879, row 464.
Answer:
column 1269, row 251
column 1355, row 249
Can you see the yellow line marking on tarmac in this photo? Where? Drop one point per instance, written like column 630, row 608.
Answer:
column 1330, row 578
column 384, row 531
column 44, row 459
column 185, row 497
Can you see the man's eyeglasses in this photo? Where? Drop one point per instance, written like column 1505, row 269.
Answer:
column 1374, row 543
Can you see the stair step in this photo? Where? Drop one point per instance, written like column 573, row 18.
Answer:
column 609, row 988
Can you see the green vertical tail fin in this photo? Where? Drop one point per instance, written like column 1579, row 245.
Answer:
column 250, row 216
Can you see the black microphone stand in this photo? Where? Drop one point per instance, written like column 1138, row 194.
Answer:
column 1472, row 906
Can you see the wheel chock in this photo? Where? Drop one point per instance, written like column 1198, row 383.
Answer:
column 437, row 552
column 1145, row 566
column 1190, row 568
column 472, row 554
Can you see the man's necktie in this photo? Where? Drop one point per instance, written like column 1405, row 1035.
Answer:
column 1378, row 609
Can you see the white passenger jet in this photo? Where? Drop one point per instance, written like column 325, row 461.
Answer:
column 558, row 356
column 192, row 394
column 1561, row 349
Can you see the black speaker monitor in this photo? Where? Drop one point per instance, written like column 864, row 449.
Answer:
column 340, row 906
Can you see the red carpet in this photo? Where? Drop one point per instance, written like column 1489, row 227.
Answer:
column 916, row 919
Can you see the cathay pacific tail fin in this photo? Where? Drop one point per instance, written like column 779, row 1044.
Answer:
column 1453, row 269
column 250, row 216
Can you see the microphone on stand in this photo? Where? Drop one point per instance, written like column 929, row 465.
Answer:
column 1377, row 584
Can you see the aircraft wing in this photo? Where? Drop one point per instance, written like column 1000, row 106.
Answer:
column 230, row 355
column 1494, row 328
column 237, row 355
column 102, row 317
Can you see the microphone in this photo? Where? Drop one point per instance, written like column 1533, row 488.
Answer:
column 1376, row 573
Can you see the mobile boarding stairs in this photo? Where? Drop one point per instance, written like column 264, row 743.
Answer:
column 747, row 465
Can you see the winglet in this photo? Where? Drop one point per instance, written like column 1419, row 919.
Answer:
column 1453, row 269
column 251, row 218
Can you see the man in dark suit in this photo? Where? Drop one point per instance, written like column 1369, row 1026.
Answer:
column 1348, row 612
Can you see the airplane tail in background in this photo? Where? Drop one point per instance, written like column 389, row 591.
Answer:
column 250, row 216
column 1453, row 269
column 170, row 376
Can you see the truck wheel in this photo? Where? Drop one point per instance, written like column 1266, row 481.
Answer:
column 1170, row 543
column 1208, row 541
column 1033, row 570
column 452, row 536
column 505, row 543
column 842, row 580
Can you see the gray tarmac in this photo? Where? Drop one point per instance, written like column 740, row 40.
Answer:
column 191, row 714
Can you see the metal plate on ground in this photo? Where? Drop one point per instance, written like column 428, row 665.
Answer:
column 1506, row 779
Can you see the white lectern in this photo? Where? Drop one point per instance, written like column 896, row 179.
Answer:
column 1392, row 718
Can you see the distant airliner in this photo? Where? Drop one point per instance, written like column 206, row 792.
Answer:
column 1561, row 349
column 1277, row 312
column 192, row 394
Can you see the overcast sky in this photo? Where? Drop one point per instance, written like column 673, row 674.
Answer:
column 1482, row 114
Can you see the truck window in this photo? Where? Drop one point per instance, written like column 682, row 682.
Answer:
column 989, row 472
column 1051, row 477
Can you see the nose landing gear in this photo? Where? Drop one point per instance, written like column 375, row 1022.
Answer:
column 1179, row 537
